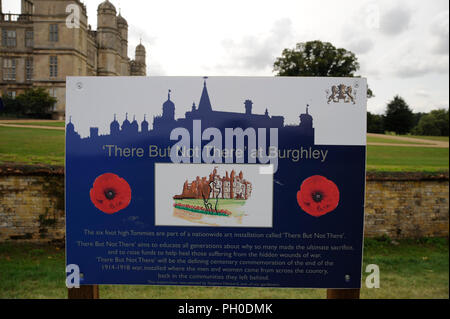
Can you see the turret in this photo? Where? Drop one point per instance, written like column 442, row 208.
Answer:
column 70, row 129
column 140, row 54
column 168, row 109
column 144, row 125
column 306, row 125
column 134, row 125
column 122, row 26
column 108, row 37
column 248, row 107
column 306, row 120
column 126, row 124
column 106, row 16
column 204, row 106
column 114, row 127
column 138, row 66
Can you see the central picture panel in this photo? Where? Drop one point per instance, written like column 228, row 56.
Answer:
column 227, row 195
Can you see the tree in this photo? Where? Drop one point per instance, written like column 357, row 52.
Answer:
column 417, row 117
column 399, row 117
column 435, row 123
column 35, row 102
column 317, row 58
column 374, row 123
column 10, row 105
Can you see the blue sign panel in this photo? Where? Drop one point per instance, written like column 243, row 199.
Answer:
column 226, row 181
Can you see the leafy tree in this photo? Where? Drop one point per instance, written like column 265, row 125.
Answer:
column 435, row 123
column 374, row 123
column 417, row 117
column 399, row 117
column 317, row 58
column 35, row 103
column 10, row 105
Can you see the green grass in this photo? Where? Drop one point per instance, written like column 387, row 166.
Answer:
column 41, row 146
column 410, row 159
column 411, row 269
column 31, row 146
column 376, row 139
column 49, row 123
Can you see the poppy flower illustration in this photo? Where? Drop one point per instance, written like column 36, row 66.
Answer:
column 318, row 195
column 110, row 193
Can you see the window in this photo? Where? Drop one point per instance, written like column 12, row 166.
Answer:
column 52, row 92
column 9, row 69
column 9, row 38
column 29, row 35
column 12, row 94
column 53, row 33
column 28, row 69
column 53, row 66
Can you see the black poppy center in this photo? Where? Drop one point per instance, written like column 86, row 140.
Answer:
column 110, row 193
column 317, row 196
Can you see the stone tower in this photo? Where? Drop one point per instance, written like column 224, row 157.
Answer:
column 138, row 66
column 122, row 26
column 109, row 59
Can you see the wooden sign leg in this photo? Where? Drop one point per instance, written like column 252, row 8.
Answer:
column 84, row 292
column 343, row 293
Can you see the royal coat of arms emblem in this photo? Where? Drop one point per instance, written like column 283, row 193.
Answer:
column 341, row 92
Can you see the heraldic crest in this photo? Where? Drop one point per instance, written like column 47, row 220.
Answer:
column 341, row 92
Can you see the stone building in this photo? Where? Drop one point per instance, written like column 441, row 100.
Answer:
column 39, row 49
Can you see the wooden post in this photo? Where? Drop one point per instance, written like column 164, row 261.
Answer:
column 84, row 292
column 343, row 293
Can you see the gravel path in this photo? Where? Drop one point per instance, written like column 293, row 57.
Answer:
column 430, row 143
column 33, row 126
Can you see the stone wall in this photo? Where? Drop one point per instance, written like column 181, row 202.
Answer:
column 32, row 204
column 398, row 205
column 407, row 205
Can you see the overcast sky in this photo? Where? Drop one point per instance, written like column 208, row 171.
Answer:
column 402, row 46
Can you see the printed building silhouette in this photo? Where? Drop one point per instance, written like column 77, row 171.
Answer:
column 166, row 122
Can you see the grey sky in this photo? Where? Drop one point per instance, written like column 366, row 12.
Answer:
column 402, row 46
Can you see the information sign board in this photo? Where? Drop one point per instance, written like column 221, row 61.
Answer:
column 220, row 181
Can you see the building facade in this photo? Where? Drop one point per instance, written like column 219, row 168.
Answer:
column 39, row 49
column 230, row 186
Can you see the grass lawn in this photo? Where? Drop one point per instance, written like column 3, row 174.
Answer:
column 31, row 146
column 411, row 269
column 410, row 159
column 41, row 146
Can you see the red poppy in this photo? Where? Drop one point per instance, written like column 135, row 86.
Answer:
column 110, row 193
column 318, row 195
